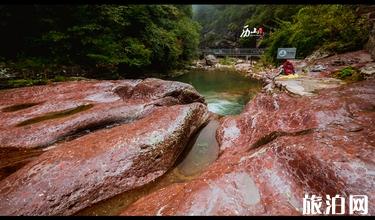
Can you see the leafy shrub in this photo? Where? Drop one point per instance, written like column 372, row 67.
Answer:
column 36, row 63
column 60, row 78
column 349, row 74
column 347, row 71
column 26, row 82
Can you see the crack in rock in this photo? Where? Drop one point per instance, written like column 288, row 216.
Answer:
column 275, row 134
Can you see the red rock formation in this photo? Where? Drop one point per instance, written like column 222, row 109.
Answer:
column 102, row 164
column 336, row 62
column 277, row 150
column 108, row 107
column 38, row 116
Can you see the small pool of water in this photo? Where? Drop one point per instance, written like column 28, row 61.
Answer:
column 226, row 91
column 203, row 152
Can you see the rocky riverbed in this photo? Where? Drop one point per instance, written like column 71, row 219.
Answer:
column 307, row 134
column 68, row 146
column 279, row 148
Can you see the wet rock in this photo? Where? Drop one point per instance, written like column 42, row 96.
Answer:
column 279, row 149
column 338, row 62
column 222, row 66
column 102, row 164
column 211, row 60
column 152, row 89
column 306, row 85
column 368, row 69
column 240, row 61
column 243, row 67
column 269, row 88
column 200, row 63
column 111, row 101
column 37, row 117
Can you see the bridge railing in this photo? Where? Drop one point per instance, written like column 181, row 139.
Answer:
column 233, row 51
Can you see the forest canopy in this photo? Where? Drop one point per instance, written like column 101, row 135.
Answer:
column 131, row 37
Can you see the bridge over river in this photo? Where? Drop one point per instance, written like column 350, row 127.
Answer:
column 234, row 52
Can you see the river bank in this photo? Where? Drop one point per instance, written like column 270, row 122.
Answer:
column 254, row 69
column 317, row 71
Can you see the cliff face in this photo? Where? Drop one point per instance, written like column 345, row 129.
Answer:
column 369, row 12
column 370, row 46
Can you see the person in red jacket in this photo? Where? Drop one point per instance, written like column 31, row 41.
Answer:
column 287, row 68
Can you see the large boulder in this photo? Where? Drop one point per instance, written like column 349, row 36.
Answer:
column 35, row 118
column 78, row 173
column 211, row 60
column 279, row 149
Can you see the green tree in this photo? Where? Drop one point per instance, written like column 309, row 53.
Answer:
column 335, row 28
column 137, row 38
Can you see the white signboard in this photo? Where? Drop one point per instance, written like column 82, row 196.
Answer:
column 286, row 53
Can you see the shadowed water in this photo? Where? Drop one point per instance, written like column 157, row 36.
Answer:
column 204, row 151
column 226, row 91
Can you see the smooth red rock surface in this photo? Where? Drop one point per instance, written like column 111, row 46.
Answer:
column 109, row 103
column 102, row 164
column 278, row 149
